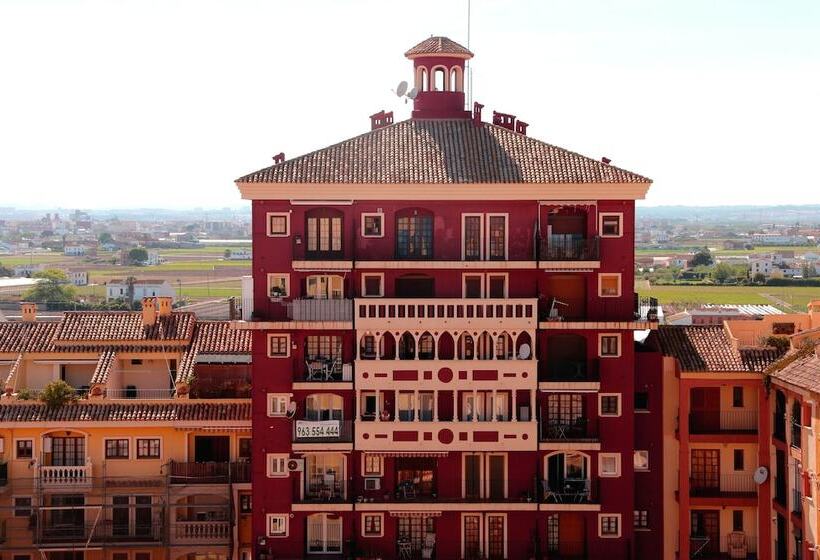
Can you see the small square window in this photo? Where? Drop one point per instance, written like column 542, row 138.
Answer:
column 278, row 345
column 24, row 449
column 277, row 525
column 609, row 464
column 609, row 526
column 278, row 224
column 737, row 520
column 245, row 503
column 497, row 286
column 148, row 448
column 609, row 285
column 278, row 285
column 278, row 404
column 610, row 345
column 641, row 460
column 642, row 400
column 119, row 556
column 737, row 397
column 372, row 465
column 373, row 285
column 372, row 525
column 473, row 285
column 609, row 405
column 116, row 448
column 611, row 225
column 738, row 459
column 641, row 519
column 277, row 465
column 372, row 225
column 142, row 556
column 22, row 506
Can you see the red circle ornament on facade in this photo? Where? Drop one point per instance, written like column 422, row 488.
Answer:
column 445, row 436
column 445, row 375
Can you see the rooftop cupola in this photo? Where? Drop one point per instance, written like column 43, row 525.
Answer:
column 438, row 64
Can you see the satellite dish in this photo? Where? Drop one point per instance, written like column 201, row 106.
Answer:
column 524, row 352
column 401, row 89
column 761, row 474
column 412, row 93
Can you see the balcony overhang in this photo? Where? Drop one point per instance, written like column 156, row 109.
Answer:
column 292, row 325
column 465, row 265
column 325, row 266
column 569, row 386
column 569, row 266
column 599, row 325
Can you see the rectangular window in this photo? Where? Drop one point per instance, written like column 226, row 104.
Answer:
column 372, row 525
column 610, row 345
column 472, row 235
column 373, row 285
column 245, row 503
column 119, row 556
column 642, row 400
column 22, row 506
column 738, row 459
column 609, row 405
column 116, row 449
column 277, row 525
column 278, row 345
column 737, row 520
column 473, row 286
column 278, row 224
column 414, row 236
column 278, row 404
column 277, row 465
column 641, row 460
column 372, row 225
column 325, row 286
column 641, row 519
column 323, row 346
column 609, row 526
column 737, row 397
column 324, row 235
column 497, row 286
column 245, row 449
column 372, row 465
column 611, row 225
column 609, row 464
column 148, row 448
column 278, row 285
column 142, row 556
column 471, row 535
column 24, row 449
column 609, row 285
column 497, row 231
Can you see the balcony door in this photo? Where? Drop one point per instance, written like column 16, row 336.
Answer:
column 212, row 449
column 498, row 476
column 472, row 477
column 706, row 469
column 67, row 451
column 565, row 415
column 705, row 409
column 321, row 286
column 566, row 535
column 415, row 286
column 67, row 516
column 324, row 228
column 705, row 532
column 324, row 476
column 324, row 533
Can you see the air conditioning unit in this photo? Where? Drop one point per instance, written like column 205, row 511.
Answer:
column 296, row 465
column 372, row 483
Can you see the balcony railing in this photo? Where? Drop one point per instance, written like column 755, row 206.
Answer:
column 727, row 484
column 797, row 502
column 581, row 370
column 733, row 545
column 98, row 533
column 327, row 369
column 324, row 488
column 580, row 429
column 645, row 308
column 73, row 476
column 718, row 421
column 323, row 431
column 570, row 491
column 561, row 248
column 326, row 310
column 134, row 393
column 210, row 472
column 443, row 312
column 201, row 532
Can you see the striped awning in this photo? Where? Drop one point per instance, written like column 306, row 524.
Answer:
column 407, row 453
column 415, row 514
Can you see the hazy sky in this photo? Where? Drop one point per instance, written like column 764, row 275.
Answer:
column 138, row 103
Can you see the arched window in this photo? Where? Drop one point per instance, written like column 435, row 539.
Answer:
column 466, row 347
column 367, row 347
column 424, row 82
column 446, row 346
column 503, row 347
column 407, row 347
column 387, row 347
column 323, row 230
column 485, row 346
column 414, row 234
column 456, row 83
column 439, row 79
column 427, row 347
column 567, row 479
column 323, row 406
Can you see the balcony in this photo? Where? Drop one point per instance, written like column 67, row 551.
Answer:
column 64, row 477
column 580, row 429
column 733, row 545
column 443, row 313
column 386, row 375
column 320, row 310
column 564, row 248
column 570, row 491
column 323, row 431
column 326, row 369
column 104, row 532
column 645, row 308
column 726, row 486
column 447, row 435
column 723, row 422
column 200, row 532
column 578, row 370
column 209, row 473
column 131, row 393
column 324, row 489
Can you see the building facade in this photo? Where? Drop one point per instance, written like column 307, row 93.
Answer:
column 443, row 320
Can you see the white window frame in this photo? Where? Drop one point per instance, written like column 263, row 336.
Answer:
column 270, row 215
column 481, row 524
column 366, row 275
column 33, row 449
column 136, row 448
column 378, row 473
column 464, row 276
column 284, row 518
column 105, row 441
column 282, row 397
column 371, row 214
column 600, row 408
column 274, row 275
column 618, row 469
column 503, row 275
column 506, row 216
column 325, row 522
column 381, row 525
column 275, row 459
column 620, row 525
column 287, row 345
column 601, row 342
column 481, row 244
column 486, row 530
column 15, row 507
column 640, row 453
column 619, row 215
column 603, row 275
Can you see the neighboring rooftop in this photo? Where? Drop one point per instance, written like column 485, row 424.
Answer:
column 174, row 412
column 438, row 45
column 709, row 349
column 803, row 372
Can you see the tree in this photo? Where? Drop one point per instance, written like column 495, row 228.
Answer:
column 722, row 272
column 138, row 255
column 759, row 278
column 52, row 287
column 702, row 258
column 105, row 238
column 808, row 270
column 57, row 393
column 4, row 271
column 227, row 253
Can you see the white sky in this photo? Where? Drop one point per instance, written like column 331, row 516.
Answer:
column 142, row 103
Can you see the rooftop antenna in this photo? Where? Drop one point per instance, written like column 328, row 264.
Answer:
column 467, row 63
column 401, row 91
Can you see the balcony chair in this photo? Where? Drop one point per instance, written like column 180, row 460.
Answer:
column 736, row 545
column 429, row 546
column 314, row 370
column 330, row 368
column 549, row 492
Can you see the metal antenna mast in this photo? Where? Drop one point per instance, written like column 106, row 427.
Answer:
column 467, row 63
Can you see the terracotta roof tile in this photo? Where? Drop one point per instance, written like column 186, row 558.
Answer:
column 708, row 348
column 186, row 365
column 114, row 326
column 104, row 365
column 438, row 45
column 171, row 412
column 19, row 336
column 442, row 152
column 217, row 337
column 803, row 372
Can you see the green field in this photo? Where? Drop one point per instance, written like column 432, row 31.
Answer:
column 17, row 260
column 798, row 250
column 797, row 297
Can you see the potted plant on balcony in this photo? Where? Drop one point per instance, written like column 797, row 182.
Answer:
column 57, row 393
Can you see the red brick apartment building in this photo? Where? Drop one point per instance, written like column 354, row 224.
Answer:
column 443, row 361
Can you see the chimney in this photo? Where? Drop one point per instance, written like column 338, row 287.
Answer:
column 477, row 107
column 149, row 312
column 606, row 160
column 28, row 311
column 521, row 127
column 504, row 120
column 380, row 120
column 279, row 158
column 164, row 305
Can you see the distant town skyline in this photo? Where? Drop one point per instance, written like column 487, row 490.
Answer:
column 123, row 104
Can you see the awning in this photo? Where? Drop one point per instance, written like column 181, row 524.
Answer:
column 415, row 514
column 407, row 453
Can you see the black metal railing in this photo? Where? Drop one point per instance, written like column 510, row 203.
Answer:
column 209, row 472
column 797, row 501
column 326, row 369
column 559, row 429
column 570, row 491
column 718, row 421
column 571, row 370
column 645, row 308
column 104, row 531
column 565, row 248
column 324, row 488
